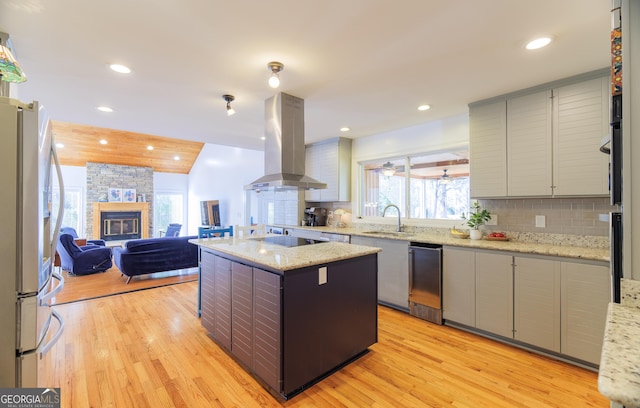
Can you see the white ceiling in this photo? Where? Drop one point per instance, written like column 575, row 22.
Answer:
column 366, row 64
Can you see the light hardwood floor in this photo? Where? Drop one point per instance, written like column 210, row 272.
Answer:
column 148, row 349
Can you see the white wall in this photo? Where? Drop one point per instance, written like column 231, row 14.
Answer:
column 220, row 173
column 436, row 136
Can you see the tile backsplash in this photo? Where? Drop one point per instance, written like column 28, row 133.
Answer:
column 575, row 216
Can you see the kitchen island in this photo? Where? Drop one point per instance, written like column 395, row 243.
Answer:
column 289, row 314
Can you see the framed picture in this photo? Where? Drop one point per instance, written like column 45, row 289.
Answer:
column 129, row 195
column 115, row 195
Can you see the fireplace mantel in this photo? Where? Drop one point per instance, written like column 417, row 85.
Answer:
column 100, row 207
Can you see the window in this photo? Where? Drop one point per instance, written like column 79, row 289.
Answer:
column 168, row 208
column 429, row 194
column 73, row 208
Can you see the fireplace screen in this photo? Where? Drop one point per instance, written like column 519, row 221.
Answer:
column 118, row 225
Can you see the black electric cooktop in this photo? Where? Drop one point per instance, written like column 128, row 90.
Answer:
column 288, row 241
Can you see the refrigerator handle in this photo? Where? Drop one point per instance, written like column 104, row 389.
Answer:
column 46, row 347
column 56, row 230
column 47, row 297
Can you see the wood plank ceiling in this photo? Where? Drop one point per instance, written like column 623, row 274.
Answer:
column 82, row 145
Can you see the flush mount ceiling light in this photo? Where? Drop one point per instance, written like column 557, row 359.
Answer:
column 388, row 169
column 229, row 99
column 10, row 70
column 538, row 43
column 445, row 179
column 120, row 68
column 275, row 67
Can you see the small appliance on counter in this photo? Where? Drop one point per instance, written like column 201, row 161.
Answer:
column 315, row 217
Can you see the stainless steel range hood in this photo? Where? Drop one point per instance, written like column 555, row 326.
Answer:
column 284, row 152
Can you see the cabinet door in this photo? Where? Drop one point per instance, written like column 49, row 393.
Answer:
column 313, row 167
column 207, row 290
column 267, row 354
column 586, row 293
column 488, row 150
column 242, row 312
column 330, row 162
column 393, row 270
column 222, row 301
column 459, row 286
column 537, row 302
column 494, row 293
column 529, row 145
column 581, row 113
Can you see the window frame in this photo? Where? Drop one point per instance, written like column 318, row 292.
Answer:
column 406, row 207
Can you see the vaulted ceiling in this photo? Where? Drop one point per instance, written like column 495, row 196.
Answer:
column 365, row 64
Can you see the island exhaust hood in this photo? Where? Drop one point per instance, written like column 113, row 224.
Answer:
column 284, row 153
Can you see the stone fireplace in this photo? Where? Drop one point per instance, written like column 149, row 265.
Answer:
column 120, row 221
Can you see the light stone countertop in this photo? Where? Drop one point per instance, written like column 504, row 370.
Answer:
column 550, row 249
column 281, row 258
column 619, row 374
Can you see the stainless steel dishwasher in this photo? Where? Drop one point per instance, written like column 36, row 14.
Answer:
column 425, row 281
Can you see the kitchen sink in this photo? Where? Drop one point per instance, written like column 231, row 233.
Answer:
column 387, row 233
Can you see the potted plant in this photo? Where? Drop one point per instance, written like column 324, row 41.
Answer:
column 476, row 218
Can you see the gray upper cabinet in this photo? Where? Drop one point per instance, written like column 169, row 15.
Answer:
column 488, row 150
column 541, row 142
column 330, row 162
column 582, row 112
column 529, row 145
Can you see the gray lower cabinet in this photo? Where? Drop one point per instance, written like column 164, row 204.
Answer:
column 536, row 306
column 459, row 285
column 550, row 303
column 393, row 270
column 494, row 293
column 585, row 295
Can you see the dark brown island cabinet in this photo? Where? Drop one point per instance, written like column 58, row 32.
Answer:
column 290, row 328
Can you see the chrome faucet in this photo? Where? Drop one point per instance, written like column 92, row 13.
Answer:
column 397, row 209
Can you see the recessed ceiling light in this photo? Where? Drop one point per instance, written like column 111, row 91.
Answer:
column 60, row 145
column 176, row 158
column 262, row 138
column 538, row 43
column 424, row 107
column 345, row 129
column 103, row 142
column 105, row 109
column 120, row 68
column 149, row 147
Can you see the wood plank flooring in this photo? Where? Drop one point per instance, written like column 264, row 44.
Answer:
column 112, row 282
column 148, row 349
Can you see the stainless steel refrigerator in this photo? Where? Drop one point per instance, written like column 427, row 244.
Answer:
column 30, row 326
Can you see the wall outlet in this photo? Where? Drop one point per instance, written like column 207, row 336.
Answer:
column 541, row 221
column 322, row 275
column 493, row 220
